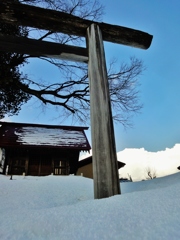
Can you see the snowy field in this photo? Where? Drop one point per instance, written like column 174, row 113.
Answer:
column 57, row 207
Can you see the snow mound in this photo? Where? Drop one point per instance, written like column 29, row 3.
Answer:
column 57, row 207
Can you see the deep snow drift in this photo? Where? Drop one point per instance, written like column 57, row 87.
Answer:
column 62, row 207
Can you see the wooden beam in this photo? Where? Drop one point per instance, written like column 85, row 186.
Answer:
column 105, row 169
column 56, row 21
column 26, row 164
column 42, row 48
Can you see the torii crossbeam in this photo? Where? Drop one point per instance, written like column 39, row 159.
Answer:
column 105, row 171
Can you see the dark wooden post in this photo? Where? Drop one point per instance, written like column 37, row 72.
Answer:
column 105, row 170
column 26, row 164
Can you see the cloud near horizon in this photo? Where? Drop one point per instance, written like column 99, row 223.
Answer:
column 138, row 160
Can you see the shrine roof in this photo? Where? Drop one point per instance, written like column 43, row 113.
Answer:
column 89, row 160
column 40, row 135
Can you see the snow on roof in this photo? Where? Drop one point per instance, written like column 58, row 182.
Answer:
column 53, row 137
column 13, row 134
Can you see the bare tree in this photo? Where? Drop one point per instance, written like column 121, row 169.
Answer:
column 150, row 173
column 71, row 91
column 130, row 178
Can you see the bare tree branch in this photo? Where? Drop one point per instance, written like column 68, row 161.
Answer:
column 151, row 173
column 71, row 90
column 74, row 90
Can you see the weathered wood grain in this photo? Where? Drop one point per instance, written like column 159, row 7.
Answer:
column 66, row 23
column 42, row 48
column 105, row 169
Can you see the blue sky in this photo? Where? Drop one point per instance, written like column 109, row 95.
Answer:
column 157, row 127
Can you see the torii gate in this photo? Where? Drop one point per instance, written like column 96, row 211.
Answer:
column 105, row 171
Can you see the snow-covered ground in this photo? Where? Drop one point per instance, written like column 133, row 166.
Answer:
column 62, row 207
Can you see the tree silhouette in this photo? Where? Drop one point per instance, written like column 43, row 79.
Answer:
column 151, row 173
column 12, row 97
column 71, row 91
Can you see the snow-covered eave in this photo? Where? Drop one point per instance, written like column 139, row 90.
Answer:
column 20, row 146
column 26, row 135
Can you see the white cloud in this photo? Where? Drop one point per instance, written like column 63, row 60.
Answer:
column 137, row 160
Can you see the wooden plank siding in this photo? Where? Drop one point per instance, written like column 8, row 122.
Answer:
column 39, row 150
column 41, row 163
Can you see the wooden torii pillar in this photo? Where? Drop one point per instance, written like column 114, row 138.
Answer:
column 105, row 170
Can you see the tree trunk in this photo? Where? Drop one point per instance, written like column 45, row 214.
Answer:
column 105, row 169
